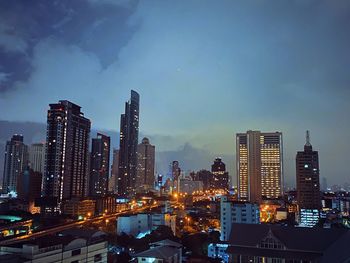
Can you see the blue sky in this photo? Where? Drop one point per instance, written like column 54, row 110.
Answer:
column 205, row 70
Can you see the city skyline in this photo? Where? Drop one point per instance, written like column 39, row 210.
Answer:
column 255, row 74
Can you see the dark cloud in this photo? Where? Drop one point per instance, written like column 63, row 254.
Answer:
column 92, row 27
column 204, row 70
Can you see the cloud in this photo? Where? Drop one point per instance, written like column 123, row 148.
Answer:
column 204, row 71
column 10, row 41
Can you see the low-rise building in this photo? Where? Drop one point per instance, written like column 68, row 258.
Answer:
column 139, row 224
column 275, row 243
column 79, row 208
column 75, row 245
column 162, row 251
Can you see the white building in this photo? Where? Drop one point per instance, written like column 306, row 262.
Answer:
column 236, row 212
column 218, row 250
column 76, row 245
column 162, row 251
column 133, row 224
column 139, row 224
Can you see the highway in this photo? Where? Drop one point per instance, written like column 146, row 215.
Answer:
column 59, row 228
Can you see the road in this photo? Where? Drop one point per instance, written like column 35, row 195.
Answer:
column 59, row 228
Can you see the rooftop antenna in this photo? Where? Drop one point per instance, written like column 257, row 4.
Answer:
column 308, row 138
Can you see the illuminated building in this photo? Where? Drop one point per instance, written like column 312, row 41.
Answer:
column 308, row 184
column 16, row 158
column 218, row 250
column 138, row 224
column 79, row 207
column 259, row 165
column 160, row 180
column 161, row 251
column 129, row 133
column 113, row 182
column 36, row 154
column 236, row 212
column 99, row 165
column 67, row 156
column 219, row 179
column 175, row 173
column 73, row 245
column 145, row 165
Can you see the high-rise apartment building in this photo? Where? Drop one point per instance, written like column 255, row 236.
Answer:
column 259, row 162
column 308, row 184
column 113, row 182
column 67, row 152
column 145, row 165
column 36, row 155
column 99, row 165
column 16, row 158
column 129, row 133
column 219, row 179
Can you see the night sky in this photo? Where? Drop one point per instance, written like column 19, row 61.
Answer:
column 205, row 70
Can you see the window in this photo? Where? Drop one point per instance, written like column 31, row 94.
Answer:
column 76, row 252
column 75, row 261
column 97, row 258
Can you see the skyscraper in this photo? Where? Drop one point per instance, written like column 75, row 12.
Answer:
column 129, row 133
column 99, row 165
column 145, row 165
column 175, row 173
column 219, row 179
column 67, row 156
column 259, row 164
column 16, row 158
column 113, row 182
column 37, row 157
column 308, row 183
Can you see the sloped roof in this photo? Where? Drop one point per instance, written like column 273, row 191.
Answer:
column 161, row 252
column 167, row 242
column 294, row 238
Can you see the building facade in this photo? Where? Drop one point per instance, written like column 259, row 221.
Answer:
column 145, row 165
column 16, row 159
column 67, row 152
column 259, row 162
column 99, row 165
column 236, row 212
column 219, row 179
column 275, row 243
column 78, row 245
column 36, row 153
column 308, row 178
column 129, row 132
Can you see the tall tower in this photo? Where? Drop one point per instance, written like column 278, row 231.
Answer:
column 16, row 158
column 67, row 146
column 129, row 133
column 219, row 178
column 37, row 157
column 113, row 182
column 259, row 159
column 308, row 177
column 145, row 165
column 99, row 165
